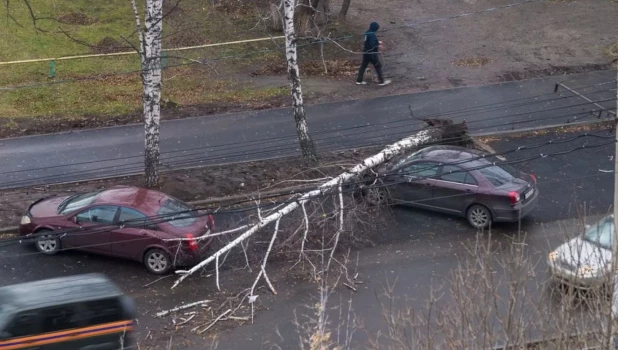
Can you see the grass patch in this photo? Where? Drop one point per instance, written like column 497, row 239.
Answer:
column 612, row 51
column 110, row 86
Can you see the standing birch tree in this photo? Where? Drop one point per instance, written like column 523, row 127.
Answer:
column 149, row 50
column 306, row 143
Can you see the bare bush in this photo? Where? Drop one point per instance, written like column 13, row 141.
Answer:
column 497, row 299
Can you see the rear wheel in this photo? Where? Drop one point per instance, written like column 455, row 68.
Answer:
column 47, row 243
column 479, row 216
column 157, row 261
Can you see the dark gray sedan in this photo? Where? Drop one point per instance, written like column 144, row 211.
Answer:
column 455, row 180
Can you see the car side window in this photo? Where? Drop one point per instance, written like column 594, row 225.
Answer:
column 453, row 174
column 101, row 311
column 59, row 318
column 99, row 215
column 23, row 325
column 134, row 218
column 470, row 179
column 420, row 169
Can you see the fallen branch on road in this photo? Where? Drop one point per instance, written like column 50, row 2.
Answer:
column 390, row 151
column 213, row 322
column 183, row 307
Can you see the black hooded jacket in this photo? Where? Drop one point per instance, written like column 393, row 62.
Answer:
column 371, row 40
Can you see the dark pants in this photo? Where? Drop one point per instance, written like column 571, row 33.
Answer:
column 373, row 59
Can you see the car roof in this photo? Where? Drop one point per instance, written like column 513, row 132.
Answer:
column 147, row 201
column 453, row 154
column 58, row 291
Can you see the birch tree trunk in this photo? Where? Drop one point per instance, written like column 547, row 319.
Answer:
column 306, row 143
column 150, row 54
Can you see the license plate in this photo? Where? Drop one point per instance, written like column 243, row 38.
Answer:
column 529, row 193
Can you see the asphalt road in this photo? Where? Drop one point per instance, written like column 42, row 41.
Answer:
column 418, row 249
column 258, row 135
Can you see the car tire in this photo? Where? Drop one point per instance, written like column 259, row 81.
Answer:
column 376, row 196
column 479, row 216
column 47, row 244
column 157, row 261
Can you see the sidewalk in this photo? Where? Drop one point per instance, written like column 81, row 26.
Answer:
column 264, row 134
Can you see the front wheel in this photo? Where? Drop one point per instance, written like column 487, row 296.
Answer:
column 376, row 196
column 479, row 216
column 157, row 261
column 47, row 243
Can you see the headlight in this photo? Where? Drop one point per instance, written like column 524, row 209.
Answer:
column 553, row 256
column 25, row 220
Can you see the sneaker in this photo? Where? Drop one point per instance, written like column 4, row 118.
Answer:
column 386, row 82
column 361, row 83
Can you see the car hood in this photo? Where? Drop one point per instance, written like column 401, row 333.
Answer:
column 578, row 252
column 46, row 207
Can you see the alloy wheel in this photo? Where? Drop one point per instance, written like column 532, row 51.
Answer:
column 47, row 244
column 376, row 196
column 157, row 262
column 479, row 217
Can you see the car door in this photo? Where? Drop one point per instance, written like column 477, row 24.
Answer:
column 94, row 237
column 62, row 318
column 417, row 182
column 129, row 240
column 454, row 189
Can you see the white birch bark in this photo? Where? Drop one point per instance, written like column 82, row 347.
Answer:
column 306, row 143
column 387, row 153
column 150, row 55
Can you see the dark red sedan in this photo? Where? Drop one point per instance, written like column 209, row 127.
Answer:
column 124, row 222
column 456, row 180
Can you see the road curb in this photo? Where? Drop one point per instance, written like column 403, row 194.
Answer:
column 10, row 229
column 543, row 128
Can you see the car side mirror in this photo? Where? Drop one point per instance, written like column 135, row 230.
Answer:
column 95, row 218
column 75, row 220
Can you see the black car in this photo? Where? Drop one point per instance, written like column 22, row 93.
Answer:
column 74, row 312
column 455, row 180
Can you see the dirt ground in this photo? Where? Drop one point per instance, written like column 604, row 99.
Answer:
column 533, row 39
column 527, row 41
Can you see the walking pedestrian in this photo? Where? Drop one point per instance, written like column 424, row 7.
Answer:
column 371, row 52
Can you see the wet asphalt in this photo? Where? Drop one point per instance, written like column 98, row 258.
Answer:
column 418, row 249
column 255, row 135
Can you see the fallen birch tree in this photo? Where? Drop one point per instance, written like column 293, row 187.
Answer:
column 430, row 135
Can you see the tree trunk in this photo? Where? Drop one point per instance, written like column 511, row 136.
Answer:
column 306, row 143
column 343, row 13
column 150, row 42
column 321, row 10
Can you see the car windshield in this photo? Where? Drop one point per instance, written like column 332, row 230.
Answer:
column 601, row 233
column 77, row 202
column 498, row 175
column 173, row 206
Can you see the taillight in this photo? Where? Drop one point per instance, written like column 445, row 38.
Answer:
column 533, row 178
column 514, row 197
column 191, row 242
